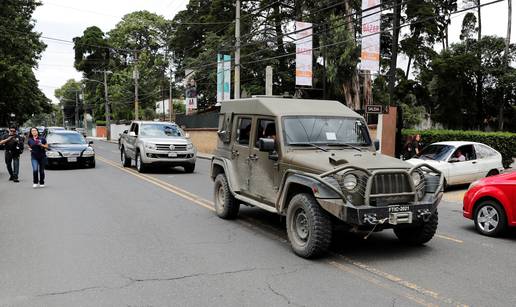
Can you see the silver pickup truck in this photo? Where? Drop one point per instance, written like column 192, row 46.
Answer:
column 157, row 143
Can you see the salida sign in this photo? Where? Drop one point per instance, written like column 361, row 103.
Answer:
column 374, row 109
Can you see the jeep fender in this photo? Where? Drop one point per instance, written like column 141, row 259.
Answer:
column 221, row 165
column 294, row 180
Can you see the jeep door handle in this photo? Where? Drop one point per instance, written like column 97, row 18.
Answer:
column 234, row 152
column 474, row 162
column 253, row 157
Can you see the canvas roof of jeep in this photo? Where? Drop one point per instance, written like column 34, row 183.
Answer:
column 286, row 106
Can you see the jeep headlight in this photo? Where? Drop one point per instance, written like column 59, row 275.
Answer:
column 150, row 146
column 350, row 182
column 416, row 178
column 53, row 154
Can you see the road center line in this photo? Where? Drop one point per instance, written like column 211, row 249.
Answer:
column 343, row 267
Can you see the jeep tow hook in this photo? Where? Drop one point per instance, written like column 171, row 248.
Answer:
column 373, row 220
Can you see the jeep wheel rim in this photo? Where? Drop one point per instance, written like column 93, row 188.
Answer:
column 220, row 197
column 488, row 219
column 301, row 227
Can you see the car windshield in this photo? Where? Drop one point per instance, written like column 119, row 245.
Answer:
column 436, row 152
column 325, row 130
column 159, row 130
column 65, row 138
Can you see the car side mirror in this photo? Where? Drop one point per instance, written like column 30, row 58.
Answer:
column 454, row 160
column 132, row 133
column 90, row 143
column 377, row 145
column 266, row 145
column 187, row 135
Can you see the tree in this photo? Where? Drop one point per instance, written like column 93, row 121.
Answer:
column 20, row 50
column 68, row 96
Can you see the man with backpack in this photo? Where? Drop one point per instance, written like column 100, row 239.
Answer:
column 13, row 149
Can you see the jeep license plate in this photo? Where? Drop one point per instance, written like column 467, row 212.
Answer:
column 398, row 208
column 72, row 159
column 172, row 155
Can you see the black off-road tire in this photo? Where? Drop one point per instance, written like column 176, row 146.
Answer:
column 126, row 162
column 226, row 205
column 501, row 218
column 309, row 227
column 420, row 234
column 140, row 167
column 189, row 168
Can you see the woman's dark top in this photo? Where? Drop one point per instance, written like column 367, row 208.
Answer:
column 37, row 152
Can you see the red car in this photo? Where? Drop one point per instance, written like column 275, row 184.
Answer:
column 491, row 203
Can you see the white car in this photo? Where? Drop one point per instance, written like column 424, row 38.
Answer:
column 461, row 162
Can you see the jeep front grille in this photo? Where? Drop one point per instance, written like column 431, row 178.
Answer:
column 390, row 183
column 390, row 188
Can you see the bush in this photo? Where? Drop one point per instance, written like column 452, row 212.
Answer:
column 504, row 142
column 100, row 122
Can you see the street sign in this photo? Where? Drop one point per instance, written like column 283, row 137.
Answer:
column 374, row 109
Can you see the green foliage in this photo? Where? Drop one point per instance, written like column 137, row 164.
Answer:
column 20, row 50
column 412, row 115
column 100, row 122
column 504, row 142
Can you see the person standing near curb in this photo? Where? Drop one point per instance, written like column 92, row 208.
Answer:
column 37, row 146
column 13, row 149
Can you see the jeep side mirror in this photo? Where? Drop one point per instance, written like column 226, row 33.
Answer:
column 377, row 145
column 223, row 136
column 125, row 131
column 90, row 143
column 132, row 133
column 266, row 145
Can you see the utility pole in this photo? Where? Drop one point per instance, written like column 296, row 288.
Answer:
column 237, row 51
column 506, row 61
column 392, row 77
column 170, row 99
column 76, row 109
column 106, row 106
column 136, row 76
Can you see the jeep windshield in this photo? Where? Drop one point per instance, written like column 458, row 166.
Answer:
column 325, row 131
column 160, row 130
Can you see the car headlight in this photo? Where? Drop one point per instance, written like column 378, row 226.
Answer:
column 53, row 154
column 350, row 182
column 150, row 146
column 189, row 146
column 416, row 178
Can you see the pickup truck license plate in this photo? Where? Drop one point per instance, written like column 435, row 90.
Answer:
column 72, row 159
column 172, row 155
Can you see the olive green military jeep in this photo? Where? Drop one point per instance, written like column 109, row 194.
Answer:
column 313, row 161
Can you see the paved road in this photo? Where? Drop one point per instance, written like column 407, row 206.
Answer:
column 112, row 237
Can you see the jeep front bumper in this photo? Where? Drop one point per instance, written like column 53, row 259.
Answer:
column 406, row 213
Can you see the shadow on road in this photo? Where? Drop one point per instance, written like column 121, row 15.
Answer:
column 379, row 245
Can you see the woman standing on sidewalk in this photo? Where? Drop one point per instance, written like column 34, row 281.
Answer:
column 37, row 146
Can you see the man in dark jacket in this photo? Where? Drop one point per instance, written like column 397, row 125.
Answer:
column 13, row 149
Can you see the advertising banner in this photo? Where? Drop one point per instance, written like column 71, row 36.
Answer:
column 304, row 53
column 223, row 77
column 370, row 55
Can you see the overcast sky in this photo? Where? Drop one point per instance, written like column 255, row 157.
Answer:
column 66, row 19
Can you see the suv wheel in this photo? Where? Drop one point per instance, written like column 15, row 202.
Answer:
column 140, row 166
column 309, row 227
column 490, row 219
column 226, row 206
column 420, row 234
column 126, row 162
column 189, row 168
